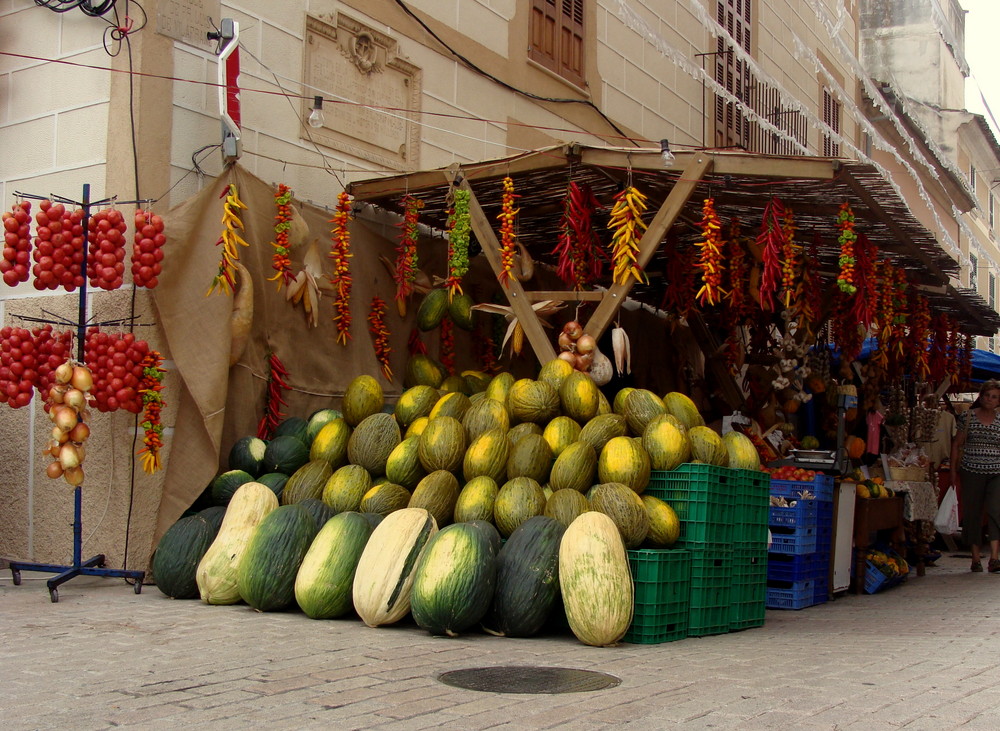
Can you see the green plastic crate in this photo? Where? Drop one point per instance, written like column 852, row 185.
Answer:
column 751, row 502
column 748, row 593
column 662, row 580
column 711, row 591
column 702, row 497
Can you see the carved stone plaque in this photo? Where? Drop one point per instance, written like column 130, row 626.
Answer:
column 188, row 20
column 371, row 96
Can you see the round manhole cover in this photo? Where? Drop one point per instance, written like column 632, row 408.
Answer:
column 529, row 679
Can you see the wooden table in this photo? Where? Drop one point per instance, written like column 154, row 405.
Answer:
column 872, row 515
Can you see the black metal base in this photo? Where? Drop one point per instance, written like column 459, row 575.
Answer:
column 93, row 566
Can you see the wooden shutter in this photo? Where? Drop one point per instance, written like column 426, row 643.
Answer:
column 557, row 37
column 831, row 115
column 731, row 127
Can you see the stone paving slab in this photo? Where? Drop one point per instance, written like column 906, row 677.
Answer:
column 923, row 655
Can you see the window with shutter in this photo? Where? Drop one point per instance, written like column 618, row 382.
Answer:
column 732, row 129
column 557, row 37
column 831, row 115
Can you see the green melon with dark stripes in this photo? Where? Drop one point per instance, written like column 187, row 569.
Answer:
column 325, row 579
column 267, row 570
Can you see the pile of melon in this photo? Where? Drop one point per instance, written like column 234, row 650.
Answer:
column 487, row 504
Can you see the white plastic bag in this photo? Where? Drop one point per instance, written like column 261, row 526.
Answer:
column 946, row 520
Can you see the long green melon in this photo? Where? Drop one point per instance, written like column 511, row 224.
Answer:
column 453, row 404
column 476, row 499
column 346, row 487
column 483, row 416
column 403, row 465
column 247, row 454
column 385, row 498
column 566, row 506
column 487, row 457
column 530, row 457
column 320, row 511
column 664, row 525
column 437, row 494
column 433, row 308
column 180, row 549
column 266, row 572
column 560, row 433
column 330, row 443
column 624, row 460
column 707, row 446
column 491, row 533
column 453, row 581
column 422, row 370
column 580, row 397
column 499, row 387
column 216, row 574
column 625, row 508
column 325, row 579
column 442, row 444
column 214, row 516
column 226, row 484
column 519, row 499
column 595, row 581
column 641, row 406
column 414, row 403
column 384, row 576
column 574, row 469
column 527, row 585
column 308, row 481
column 534, row 401
column 372, row 442
column 683, row 408
column 601, row 429
column 362, row 398
column 477, row 381
column 742, row 453
column 666, row 444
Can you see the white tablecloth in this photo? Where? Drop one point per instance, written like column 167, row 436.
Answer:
column 921, row 499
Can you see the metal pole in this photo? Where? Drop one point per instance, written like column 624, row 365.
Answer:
column 81, row 321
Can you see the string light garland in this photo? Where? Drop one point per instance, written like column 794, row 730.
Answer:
column 150, row 387
column 230, row 239
column 627, row 226
column 710, row 256
column 340, row 254
column 380, row 334
column 507, row 235
column 459, row 226
column 281, row 263
column 405, row 271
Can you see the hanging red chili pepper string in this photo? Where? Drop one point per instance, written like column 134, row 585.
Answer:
column 737, row 297
column 791, row 262
column 459, row 226
column 681, row 271
column 507, row 235
column 380, row 333
column 448, row 345
column 847, row 237
column 771, row 242
column 406, row 251
column 277, row 384
column 580, row 258
column 230, row 239
column 627, row 226
column 710, row 256
column 810, row 293
column 340, row 254
column 150, row 387
column 863, row 302
column 483, row 347
column 919, row 321
column 414, row 345
column 965, row 363
column 280, row 261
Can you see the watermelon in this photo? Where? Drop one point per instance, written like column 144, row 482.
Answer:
column 225, row 485
column 741, row 452
column 346, row 487
column 533, row 401
column 414, row 403
column 476, row 499
column 317, row 420
column 519, row 499
column 476, row 381
column 580, row 397
column 307, row 482
column 625, row 508
column 624, row 460
column 527, row 583
column 560, row 433
column 574, row 469
column 437, row 494
column 362, row 398
column 707, row 446
column 385, row 498
column 325, row 578
column 403, row 465
column 284, row 454
column 683, row 408
column 442, row 444
column 180, row 549
column 453, row 580
column 487, row 456
column 274, row 480
column 293, row 426
column 330, row 443
column 433, row 308
column 374, row 519
column 601, row 429
column 247, row 454
column 372, row 442
column 664, row 526
column 666, row 444
column 267, row 569
column 530, row 457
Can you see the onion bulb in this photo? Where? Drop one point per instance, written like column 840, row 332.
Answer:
column 585, row 344
column 81, row 452
column 573, row 329
column 68, row 456
column 584, row 361
column 568, row 357
column 59, row 436
column 79, row 433
column 74, row 476
column 64, row 417
column 64, row 373
column 54, row 470
column 57, row 392
column 565, row 342
column 81, row 378
column 74, row 397
column 52, row 449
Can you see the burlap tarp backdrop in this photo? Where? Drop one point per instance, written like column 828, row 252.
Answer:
column 217, row 404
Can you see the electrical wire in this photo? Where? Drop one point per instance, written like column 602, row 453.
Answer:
column 85, row 6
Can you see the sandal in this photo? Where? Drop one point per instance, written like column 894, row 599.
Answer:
column 977, row 567
column 994, row 565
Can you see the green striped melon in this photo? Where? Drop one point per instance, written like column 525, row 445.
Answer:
column 595, row 580
column 266, row 573
column 320, row 511
column 664, row 526
column 372, row 442
column 707, row 446
column 384, row 577
column 308, row 481
column 346, row 487
column 620, row 503
column 453, row 404
column 667, row 446
column 499, row 387
column 683, row 408
column 417, row 427
column 385, row 498
column 362, row 398
column 403, row 465
column 624, row 460
column 413, row 403
column 284, row 454
column 483, row 416
column 530, row 457
column 178, row 552
column 246, row 454
column 519, row 499
column 574, row 469
column 619, row 404
column 640, row 408
column 293, row 426
column 437, row 494
column 601, row 429
column 554, row 372
column 453, row 580
column 742, row 453
column 533, row 401
column 487, row 456
column 224, row 486
column 566, row 506
column 454, row 384
column 433, row 309
column 491, row 533
column 317, row 420
column 519, row 431
column 374, row 519
column 216, row 573
column 580, row 397
column 476, row 381
column 476, row 499
column 330, row 443
column 603, row 405
column 422, row 370
column 213, row 515
column 560, row 433
column 274, row 480
column 325, row 577
column 442, row 444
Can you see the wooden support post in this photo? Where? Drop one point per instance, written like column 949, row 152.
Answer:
column 650, row 241
column 520, row 304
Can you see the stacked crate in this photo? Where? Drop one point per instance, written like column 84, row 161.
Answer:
column 798, row 563
column 748, row 594
column 662, row 579
column 702, row 495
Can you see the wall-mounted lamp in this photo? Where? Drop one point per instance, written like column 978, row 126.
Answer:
column 316, row 115
column 665, row 153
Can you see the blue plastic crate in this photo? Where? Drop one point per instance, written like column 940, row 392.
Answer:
column 792, row 567
column 803, row 513
column 793, row 540
column 876, row 581
column 794, row 595
column 821, row 486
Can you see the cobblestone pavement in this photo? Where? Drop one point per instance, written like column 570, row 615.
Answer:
column 923, row 655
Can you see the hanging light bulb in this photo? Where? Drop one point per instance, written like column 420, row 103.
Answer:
column 316, row 115
column 666, row 154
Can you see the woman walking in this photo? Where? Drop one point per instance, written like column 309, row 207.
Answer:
column 975, row 472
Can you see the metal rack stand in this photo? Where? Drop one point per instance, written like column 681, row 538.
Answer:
column 93, row 566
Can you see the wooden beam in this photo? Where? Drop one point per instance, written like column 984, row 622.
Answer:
column 565, row 295
column 743, row 163
column 520, row 303
column 650, row 241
